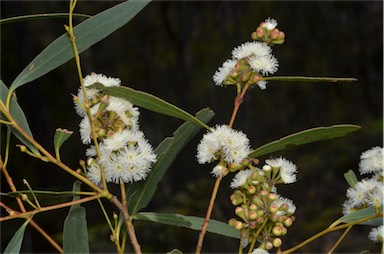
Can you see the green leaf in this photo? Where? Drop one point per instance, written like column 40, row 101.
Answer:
column 46, row 194
column 190, row 222
column 140, row 193
column 359, row 215
column 149, row 101
column 351, row 178
column 38, row 16
column 14, row 245
column 304, row 137
column 308, row 79
column 75, row 234
column 87, row 34
column 18, row 114
column 61, row 135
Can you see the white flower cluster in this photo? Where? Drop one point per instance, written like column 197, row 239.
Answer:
column 258, row 55
column 287, row 169
column 222, row 141
column 124, row 152
column 369, row 191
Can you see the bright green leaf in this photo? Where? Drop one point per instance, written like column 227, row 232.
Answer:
column 351, row 178
column 17, row 114
column 75, row 234
column 61, row 135
column 190, row 222
column 359, row 215
column 14, row 245
column 308, row 79
column 87, row 34
column 304, row 137
column 140, row 193
column 149, row 101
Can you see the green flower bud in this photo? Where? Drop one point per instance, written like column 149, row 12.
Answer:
column 252, row 215
column 277, row 242
column 276, row 231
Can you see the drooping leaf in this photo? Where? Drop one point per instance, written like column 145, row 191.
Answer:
column 308, row 79
column 351, row 178
column 304, row 137
column 140, row 193
column 75, row 234
column 190, row 222
column 87, row 34
column 359, row 215
column 149, row 101
column 14, row 245
column 61, row 135
column 39, row 16
column 17, row 114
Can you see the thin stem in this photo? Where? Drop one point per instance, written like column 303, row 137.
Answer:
column 105, row 215
column 327, row 230
column 7, row 145
column 256, row 235
column 128, row 224
column 339, row 240
column 208, row 215
column 49, row 208
column 22, row 208
column 238, row 101
column 72, row 5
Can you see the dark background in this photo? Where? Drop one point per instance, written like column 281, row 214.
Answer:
column 171, row 49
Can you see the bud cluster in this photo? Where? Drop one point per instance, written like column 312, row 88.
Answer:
column 268, row 33
column 124, row 153
column 264, row 216
column 251, row 61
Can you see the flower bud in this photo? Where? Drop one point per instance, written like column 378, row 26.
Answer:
column 275, row 33
column 252, row 215
column 272, row 196
column 254, row 35
column 268, row 245
column 277, row 242
column 276, row 231
column 273, row 209
column 288, row 222
column 252, row 207
column 251, row 189
column 284, row 231
column 241, row 212
column 236, row 200
column 260, row 32
column 252, row 224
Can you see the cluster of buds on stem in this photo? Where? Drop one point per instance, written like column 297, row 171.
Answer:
column 268, row 33
column 263, row 215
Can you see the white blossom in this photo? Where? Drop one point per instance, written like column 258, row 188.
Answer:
column 223, row 71
column 372, row 161
column 259, row 251
column 232, row 145
column 264, row 64
column 284, row 201
column 287, row 171
column 376, row 234
column 241, row 178
column 249, row 49
column 270, row 24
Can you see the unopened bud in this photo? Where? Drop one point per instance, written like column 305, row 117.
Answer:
column 268, row 245
column 236, row 200
column 24, row 197
column 276, row 231
column 240, row 211
column 275, row 33
column 115, row 216
column 252, row 215
column 252, row 224
column 272, row 196
column 277, row 242
column 252, row 207
column 284, row 231
column 23, row 148
column 273, row 209
column 251, row 189
column 288, row 222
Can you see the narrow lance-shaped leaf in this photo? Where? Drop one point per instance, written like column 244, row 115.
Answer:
column 75, row 234
column 39, row 16
column 149, row 101
column 17, row 114
column 351, row 178
column 14, row 245
column 308, row 79
column 140, row 193
column 46, row 194
column 190, row 222
column 361, row 214
column 87, row 34
column 304, row 137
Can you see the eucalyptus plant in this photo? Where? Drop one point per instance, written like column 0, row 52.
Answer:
column 118, row 152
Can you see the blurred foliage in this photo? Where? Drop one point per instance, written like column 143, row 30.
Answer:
column 172, row 49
